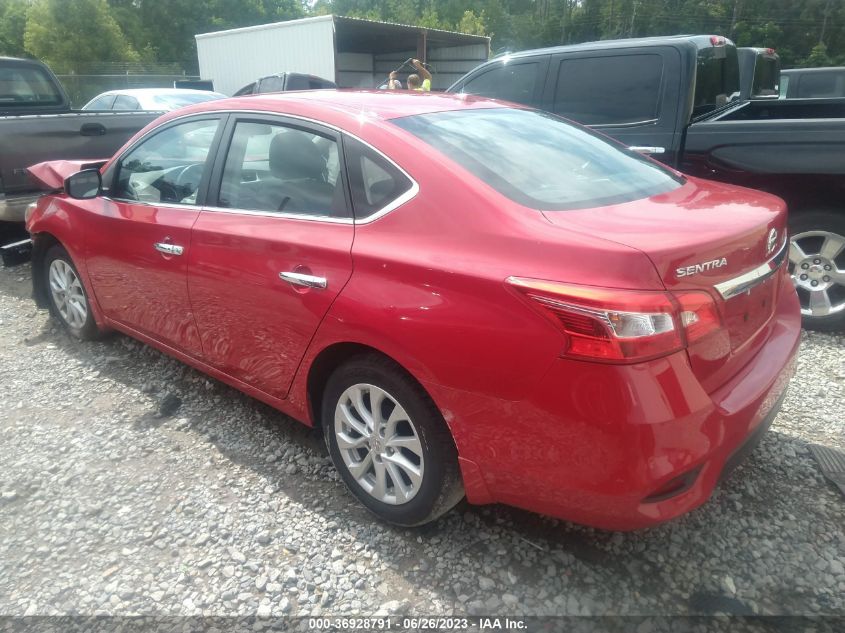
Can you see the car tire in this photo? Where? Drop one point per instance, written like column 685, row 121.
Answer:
column 815, row 238
column 400, row 462
column 66, row 295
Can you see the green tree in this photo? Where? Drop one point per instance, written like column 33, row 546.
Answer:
column 472, row 24
column 818, row 57
column 12, row 24
column 67, row 34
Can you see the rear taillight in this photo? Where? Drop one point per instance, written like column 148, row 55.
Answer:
column 621, row 326
column 698, row 314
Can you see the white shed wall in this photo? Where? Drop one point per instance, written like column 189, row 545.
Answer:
column 236, row 57
column 355, row 70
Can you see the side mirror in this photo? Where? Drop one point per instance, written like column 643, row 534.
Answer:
column 84, row 185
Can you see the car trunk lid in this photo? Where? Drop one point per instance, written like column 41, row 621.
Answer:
column 708, row 237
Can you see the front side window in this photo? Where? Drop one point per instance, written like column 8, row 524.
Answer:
column 22, row 86
column 540, row 161
column 168, row 167
column 282, row 169
column 508, row 81
column 376, row 183
column 609, row 90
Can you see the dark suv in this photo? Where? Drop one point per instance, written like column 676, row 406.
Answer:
column 282, row 82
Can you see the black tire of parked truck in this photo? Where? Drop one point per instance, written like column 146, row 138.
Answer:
column 817, row 265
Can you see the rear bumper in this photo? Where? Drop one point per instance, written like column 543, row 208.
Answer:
column 13, row 209
column 623, row 447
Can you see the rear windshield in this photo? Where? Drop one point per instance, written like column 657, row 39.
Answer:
column 766, row 76
column 23, row 86
column 539, row 160
column 716, row 78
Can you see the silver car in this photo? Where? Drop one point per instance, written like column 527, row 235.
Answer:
column 161, row 99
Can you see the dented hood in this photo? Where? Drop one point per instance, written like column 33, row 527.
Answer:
column 51, row 174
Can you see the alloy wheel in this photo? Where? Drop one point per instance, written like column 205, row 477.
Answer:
column 68, row 294
column 379, row 444
column 817, row 265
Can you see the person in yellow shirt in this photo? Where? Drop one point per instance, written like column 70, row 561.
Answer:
column 414, row 82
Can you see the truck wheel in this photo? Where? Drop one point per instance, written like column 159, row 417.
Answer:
column 817, row 265
column 68, row 301
column 389, row 442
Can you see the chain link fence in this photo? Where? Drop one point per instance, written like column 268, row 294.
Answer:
column 89, row 80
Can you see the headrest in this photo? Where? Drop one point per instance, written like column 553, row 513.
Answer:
column 293, row 156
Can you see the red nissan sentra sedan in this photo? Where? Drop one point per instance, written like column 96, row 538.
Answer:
column 469, row 297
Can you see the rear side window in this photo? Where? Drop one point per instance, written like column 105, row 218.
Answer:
column 509, row 81
column 125, row 102
column 821, row 84
column 282, row 169
column 271, row 84
column 609, row 90
column 376, row 183
column 101, row 103
column 540, row 161
column 22, row 86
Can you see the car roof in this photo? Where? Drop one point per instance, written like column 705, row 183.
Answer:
column 825, row 69
column 699, row 41
column 341, row 107
column 146, row 92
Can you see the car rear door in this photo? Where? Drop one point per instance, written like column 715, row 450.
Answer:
column 138, row 242
column 272, row 249
column 629, row 94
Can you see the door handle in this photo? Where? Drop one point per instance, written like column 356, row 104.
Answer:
column 647, row 149
column 92, row 129
column 169, row 249
column 308, row 281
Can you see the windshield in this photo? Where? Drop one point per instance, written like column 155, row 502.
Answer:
column 22, row 86
column 539, row 160
column 174, row 101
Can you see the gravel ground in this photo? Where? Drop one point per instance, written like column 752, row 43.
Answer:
column 222, row 506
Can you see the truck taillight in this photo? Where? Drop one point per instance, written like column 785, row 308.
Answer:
column 620, row 326
column 717, row 40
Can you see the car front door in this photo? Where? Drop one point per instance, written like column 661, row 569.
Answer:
column 271, row 250
column 139, row 242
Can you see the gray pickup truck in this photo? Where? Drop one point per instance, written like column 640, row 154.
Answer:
column 37, row 124
column 678, row 99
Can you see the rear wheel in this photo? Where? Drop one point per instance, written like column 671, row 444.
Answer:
column 817, row 265
column 389, row 442
column 68, row 301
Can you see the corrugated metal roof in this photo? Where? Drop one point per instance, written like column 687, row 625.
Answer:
column 439, row 34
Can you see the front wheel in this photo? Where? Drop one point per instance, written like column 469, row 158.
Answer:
column 68, row 301
column 389, row 442
column 817, row 265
